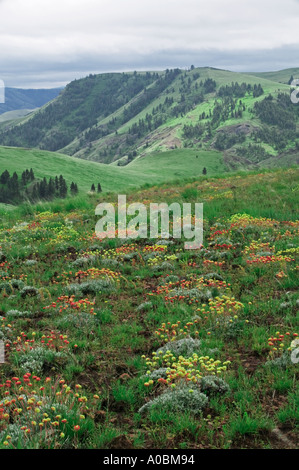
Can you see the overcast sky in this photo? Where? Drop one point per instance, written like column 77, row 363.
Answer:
column 47, row 43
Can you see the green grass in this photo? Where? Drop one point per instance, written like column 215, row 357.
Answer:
column 16, row 114
column 281, row 76
column 157, row 169
column 180, row 163
column 105, row 348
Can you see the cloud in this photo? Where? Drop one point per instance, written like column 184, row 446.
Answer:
column 55, row 41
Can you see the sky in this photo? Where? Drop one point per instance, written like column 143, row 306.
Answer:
column 48, row 43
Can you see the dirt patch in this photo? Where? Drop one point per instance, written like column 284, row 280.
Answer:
column 166, row 137
column 250, row 360
column 244, row 128
column 121, row 442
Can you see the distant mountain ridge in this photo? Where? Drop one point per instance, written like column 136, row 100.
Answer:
column 18, row 98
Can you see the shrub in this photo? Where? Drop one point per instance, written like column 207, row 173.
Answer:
column 9, row 286
column 183, row 399
column 144, row 307
column 165, row 266
column 81, row 320
column 210, row 384
column 182, row 347
column 36, row 359
column 30, row 262
column 166, row 280
column 91, row 287
column 214, row 276
column 84, row 261
column 17, row 314
column 29, row 291
column 17, row 283
column 194, row 293
column 155, row 375
column 112, row 263
column 282, row 362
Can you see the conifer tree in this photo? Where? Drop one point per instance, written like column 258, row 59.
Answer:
column 74, row 188
column 4, row 177
column 51, row 188
column 24, row 179
column 62, row 187
column 34, row 195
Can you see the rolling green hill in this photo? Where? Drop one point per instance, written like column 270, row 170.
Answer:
column 156, row 169
column 179, row 163
column 117, row 118
column 13, row 115
column 282, row 76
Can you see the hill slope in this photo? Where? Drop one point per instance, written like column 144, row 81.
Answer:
column 171, row 166
column 282, row 76
column 13, row 115
column 118, row 117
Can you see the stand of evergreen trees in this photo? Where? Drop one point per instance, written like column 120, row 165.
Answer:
column 14, row 190
column 93, row 188
column 239, row 91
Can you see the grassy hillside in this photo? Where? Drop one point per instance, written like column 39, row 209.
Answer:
column 12, row 115
column 120, row 117
column 122, row 344
column 281, row 76
column 180, row 163
column 49, row 164
column 159, row 168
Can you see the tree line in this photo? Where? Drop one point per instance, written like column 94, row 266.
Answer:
column 15, row 189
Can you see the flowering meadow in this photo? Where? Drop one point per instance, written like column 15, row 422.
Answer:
column 134, row 344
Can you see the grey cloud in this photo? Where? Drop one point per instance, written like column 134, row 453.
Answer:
column 52, row 42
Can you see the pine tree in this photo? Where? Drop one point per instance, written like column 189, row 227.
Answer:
column 74, row 188
column 34, row 195
column 43, row 189
column 62, row 187
column 56, row 183
column 13, row 184
column 4, row 177
column 51, row 189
